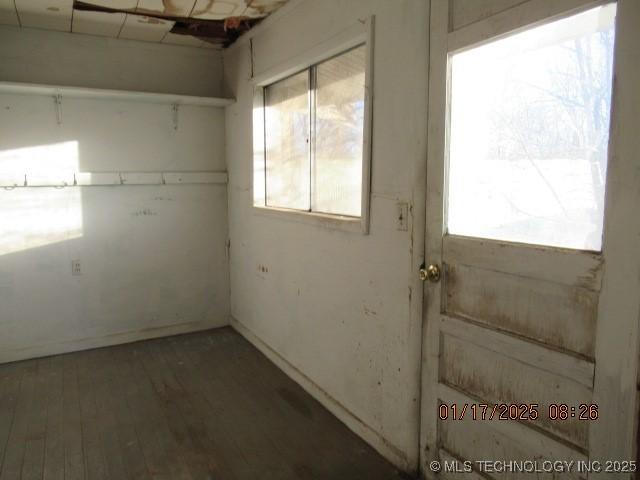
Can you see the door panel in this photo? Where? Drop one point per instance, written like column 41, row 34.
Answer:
column 565, row 267
column 556, row 315
column 494, row 378
column 488, row 440
column 469, row 439
column 520, row 324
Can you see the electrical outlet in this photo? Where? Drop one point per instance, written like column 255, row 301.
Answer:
column 402, row 216
column 75, row 267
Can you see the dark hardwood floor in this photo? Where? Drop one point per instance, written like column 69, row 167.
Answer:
column 199, row 406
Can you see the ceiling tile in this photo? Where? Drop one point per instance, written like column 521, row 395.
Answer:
column 141, row 24
column 186, row 40
column 8, row 15
column 139, row 27
column 116, row 4
column 97, row 23
column 218, row 9
column 262, row 8
column 173, row 8
column 48, row 14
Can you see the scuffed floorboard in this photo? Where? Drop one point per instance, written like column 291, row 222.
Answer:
column 199, row 406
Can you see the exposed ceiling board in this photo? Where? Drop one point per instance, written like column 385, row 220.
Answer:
column 97, row 23
column 148, row 29
column 262, row 8
column 8, row 15
column 170, row 8
column 207, row 30
column 47, row 14
column 197, row 23
column 218, row 9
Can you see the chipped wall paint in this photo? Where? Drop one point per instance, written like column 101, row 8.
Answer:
column 330, row 307
column 153, row 257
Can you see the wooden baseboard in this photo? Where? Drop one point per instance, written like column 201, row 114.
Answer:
column 356, row 425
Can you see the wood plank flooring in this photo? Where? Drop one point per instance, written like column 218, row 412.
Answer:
column 206, row 405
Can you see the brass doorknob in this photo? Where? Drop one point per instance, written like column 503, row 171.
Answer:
column 431, row 273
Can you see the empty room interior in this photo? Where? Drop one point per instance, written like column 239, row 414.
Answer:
column 319, row 239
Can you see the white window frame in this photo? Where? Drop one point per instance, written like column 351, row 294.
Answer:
column 358, row 35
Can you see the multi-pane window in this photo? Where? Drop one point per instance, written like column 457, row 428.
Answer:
column 529, row 133
column 314, row 137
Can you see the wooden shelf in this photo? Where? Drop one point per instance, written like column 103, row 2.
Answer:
column 98, row 93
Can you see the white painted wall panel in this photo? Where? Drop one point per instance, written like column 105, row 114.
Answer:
column 343, row 309
column 153, row 256
column 54, row 58
column 116, row 135
column 8, row 14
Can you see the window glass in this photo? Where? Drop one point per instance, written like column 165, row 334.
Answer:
column 287, row 167
column 339, row 128
column 529, row 133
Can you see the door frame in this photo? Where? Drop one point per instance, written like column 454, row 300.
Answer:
column 613, row 437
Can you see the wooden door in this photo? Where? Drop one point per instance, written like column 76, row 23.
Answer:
column 548, row 325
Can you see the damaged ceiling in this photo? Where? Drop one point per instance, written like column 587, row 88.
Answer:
column 198, row 23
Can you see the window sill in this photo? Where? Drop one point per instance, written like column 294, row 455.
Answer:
column 323, row 220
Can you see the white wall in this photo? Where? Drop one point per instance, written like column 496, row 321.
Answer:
column 153, row 257
column 57, row 58
column 340, row 312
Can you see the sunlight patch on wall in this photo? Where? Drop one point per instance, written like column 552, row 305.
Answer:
column 47, row 209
